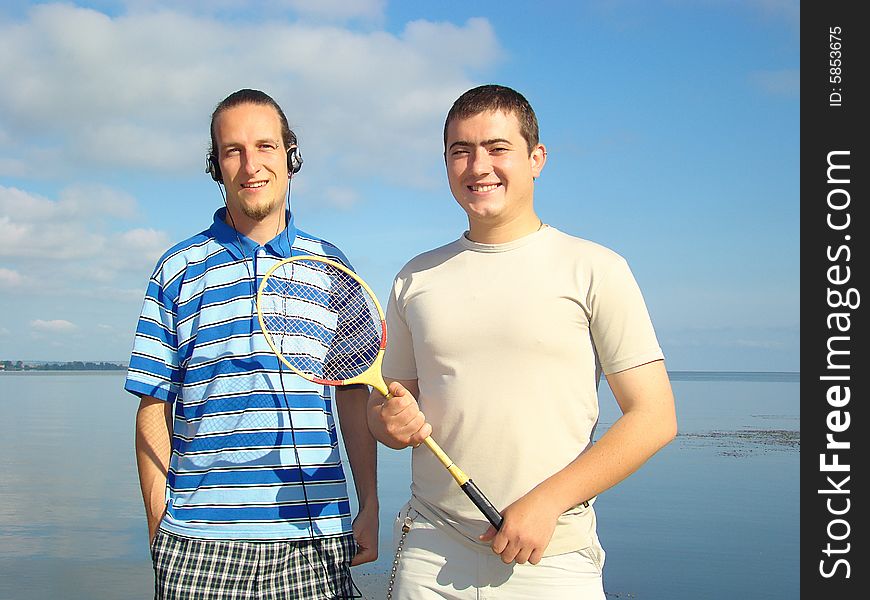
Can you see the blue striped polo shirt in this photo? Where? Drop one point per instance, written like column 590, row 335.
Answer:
column 254, row 447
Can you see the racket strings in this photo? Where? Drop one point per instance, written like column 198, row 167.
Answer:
column 321, row 320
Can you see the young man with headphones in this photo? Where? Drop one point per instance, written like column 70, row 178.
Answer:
column 238, row 459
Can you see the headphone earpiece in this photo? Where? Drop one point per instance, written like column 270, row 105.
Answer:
column 213, row 168
column 294, row 160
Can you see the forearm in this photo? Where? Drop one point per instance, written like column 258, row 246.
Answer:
column 360, row 446
column 153, row 450
column 619, row 453
column 647, row 424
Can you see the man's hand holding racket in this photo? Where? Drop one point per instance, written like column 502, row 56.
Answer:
column 527, row 528
column 397, row 422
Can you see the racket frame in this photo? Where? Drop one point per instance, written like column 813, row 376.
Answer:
column 372, row 375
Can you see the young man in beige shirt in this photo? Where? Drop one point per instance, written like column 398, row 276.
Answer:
column 500, row 338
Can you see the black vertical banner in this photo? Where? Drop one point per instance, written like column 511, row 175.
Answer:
column 834, row 334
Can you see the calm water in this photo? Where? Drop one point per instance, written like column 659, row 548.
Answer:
column 714, row 515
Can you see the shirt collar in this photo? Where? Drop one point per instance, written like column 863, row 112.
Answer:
column 240, row 246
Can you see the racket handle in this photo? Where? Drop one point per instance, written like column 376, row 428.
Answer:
column 471, row 490
column 482, row 503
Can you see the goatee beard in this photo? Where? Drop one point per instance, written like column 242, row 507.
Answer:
column 258, row 212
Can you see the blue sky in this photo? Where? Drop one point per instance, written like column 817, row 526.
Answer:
column 672, row 130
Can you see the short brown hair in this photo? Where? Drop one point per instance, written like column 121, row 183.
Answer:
column 493, row 97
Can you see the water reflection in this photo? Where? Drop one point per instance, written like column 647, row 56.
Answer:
column 72, row 526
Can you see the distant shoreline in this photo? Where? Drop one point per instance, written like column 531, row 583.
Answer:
column 735, row 375
column 19, row 366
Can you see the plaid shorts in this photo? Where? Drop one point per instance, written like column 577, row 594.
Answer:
column 198, row 569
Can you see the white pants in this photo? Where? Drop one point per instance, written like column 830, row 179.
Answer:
column 434, row 564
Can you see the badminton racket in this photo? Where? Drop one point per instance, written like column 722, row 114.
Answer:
column 326, row 325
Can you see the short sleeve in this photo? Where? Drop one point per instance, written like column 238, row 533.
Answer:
column 622, row 330
column 154, row 365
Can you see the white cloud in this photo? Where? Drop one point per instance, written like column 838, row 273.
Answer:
column 68, row 246
column 329, row 10
column 144, row 240
column 96, row 201
column 68, row 229
column 137, row 250
column 83, row 90
column 10, row 278
column 54, row 326
column 76, row 201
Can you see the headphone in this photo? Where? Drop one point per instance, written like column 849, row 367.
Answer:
column 294, row 163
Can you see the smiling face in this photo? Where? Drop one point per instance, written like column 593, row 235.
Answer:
column 491, row 172
column 253, row 162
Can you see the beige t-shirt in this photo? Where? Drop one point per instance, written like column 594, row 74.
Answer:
column 505, row 342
